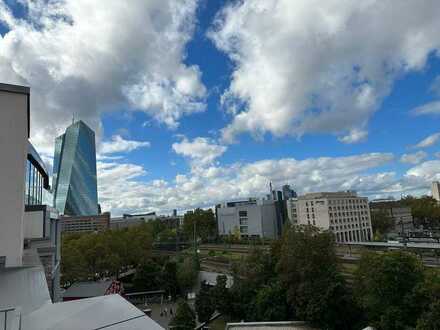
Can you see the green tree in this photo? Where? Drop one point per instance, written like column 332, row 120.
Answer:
column 169, row 278
column 147, row 277
column 270, row 304
column 381, row 222
column 205, row 224
column 184, row 318
column 387, row 288
column 430, row 291
column 309, row 272
column 425, row 210
column 221, row 296
column 204, row 303
column 187, row 273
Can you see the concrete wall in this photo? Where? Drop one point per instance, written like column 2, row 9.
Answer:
column 34, row 224
column 261, row 219
column 13, row 150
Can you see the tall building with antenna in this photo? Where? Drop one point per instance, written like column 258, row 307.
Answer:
column 74, row 171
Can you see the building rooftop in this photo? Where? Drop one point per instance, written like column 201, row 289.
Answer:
column 279, row 325
column 87, row 289
column 325, row 194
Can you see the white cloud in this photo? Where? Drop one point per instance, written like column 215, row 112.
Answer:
column 429, row 141
column 354, row 136
column 119, row 144
column 86, row 57
column 318, row 66
column 201, row 151
column 432, row 108
column 435, row 86
column 414, row 158
column 121, row 188
column 428, row 171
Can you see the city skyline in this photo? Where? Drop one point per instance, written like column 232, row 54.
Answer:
column 201, row 114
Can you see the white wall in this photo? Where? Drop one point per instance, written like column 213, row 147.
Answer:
column 33, row 224
column 13, row 150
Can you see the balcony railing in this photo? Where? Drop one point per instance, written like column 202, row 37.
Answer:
column 7, row 312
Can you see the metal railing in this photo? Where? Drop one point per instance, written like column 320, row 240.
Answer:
column 5, row 312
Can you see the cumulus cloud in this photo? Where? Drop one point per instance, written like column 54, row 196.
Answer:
column 208, row 185
column 413, row 158
column 435, row 86
column 428, row 141
column 201, row 151
column 318, row 66
column 431, row 108
column 119, row 144
column 86, row 57
column 354, row 136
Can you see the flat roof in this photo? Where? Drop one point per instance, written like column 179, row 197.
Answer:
column 87, row 289
column 17, row 89
column 278, row 325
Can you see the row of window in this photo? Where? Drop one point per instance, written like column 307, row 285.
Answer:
column 359, row 235
column 346, row 220
column 347, row 214
column 349, row 226
column 348, row 207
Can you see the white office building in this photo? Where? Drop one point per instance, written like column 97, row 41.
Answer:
column 343, row 213
column 436, row 191
column 248, row 219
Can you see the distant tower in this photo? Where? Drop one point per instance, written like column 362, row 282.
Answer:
column 436, row 191
column 288, row 193
column 74, row 171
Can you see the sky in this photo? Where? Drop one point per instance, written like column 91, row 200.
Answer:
column 195, row 102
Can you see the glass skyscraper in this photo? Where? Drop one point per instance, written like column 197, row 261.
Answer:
column 74, row 171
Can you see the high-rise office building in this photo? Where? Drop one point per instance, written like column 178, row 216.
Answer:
column 288, row 192
column 436, row 191
column 74, row 171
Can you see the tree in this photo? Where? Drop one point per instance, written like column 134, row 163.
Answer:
column 430, row 291
column 147, row 277
column 204, row 303
column 381, row 222
column 387, row 288
column 425, row 210
column 308, row 270
column 270, row 304
column 187, row 273
column 205, row 224
column 169, row 278
column 184, row 318
column 221, row 295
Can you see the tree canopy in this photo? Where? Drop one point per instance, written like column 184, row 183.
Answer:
column 205, row 224
column 185, row 318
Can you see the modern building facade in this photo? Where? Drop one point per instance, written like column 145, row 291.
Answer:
column 74, row 171
column 436, row 191
column 85, row 224
column 343, row 213
column 292, row 210
column 288, row 192
column 248, row 219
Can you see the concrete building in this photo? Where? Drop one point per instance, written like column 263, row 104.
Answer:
column 436, row 191
column 14, row 134
column 74, row 171
column 401, row 215
column 292, row 208
column 130, row 220
column 85, row 224
column 248, row 219
column 343, row 213
column 25, row 301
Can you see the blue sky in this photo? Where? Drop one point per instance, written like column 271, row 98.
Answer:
column 221, row 98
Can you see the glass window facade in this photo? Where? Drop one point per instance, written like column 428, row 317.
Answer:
column 74, row 173
column 36, row 179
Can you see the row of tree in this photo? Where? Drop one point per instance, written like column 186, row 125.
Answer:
column 300, row 279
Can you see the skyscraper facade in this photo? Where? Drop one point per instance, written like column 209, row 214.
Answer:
column 74, row 171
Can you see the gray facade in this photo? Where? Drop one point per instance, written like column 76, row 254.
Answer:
column 248, row 219
column 74, row 171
